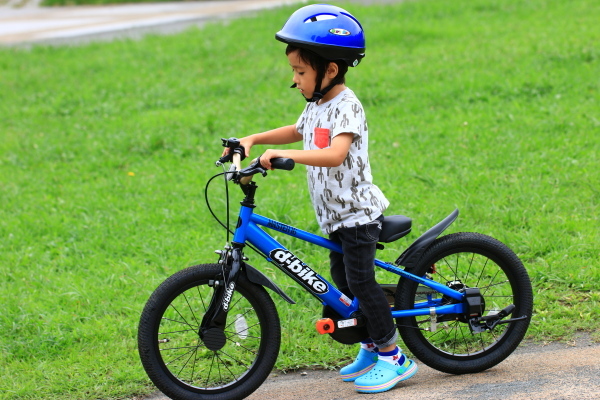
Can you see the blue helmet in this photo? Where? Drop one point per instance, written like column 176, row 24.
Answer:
column 329, row 31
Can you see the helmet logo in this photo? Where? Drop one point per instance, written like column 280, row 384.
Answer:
column 339, row 32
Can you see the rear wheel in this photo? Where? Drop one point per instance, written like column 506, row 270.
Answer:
column 175, row 356
column 459, row 261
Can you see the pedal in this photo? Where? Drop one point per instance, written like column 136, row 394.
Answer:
column 325, row 325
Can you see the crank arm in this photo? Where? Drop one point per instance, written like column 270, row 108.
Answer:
column 489, row 322
column 506, row 321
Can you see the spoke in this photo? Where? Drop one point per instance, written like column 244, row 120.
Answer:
column 177, row 358
column 219, row 362
column 232, row 334
column 187, row 361
column 442, row 276
column 243, row 315
column 465, row 340
column 212, row 362
column 450, row 268
column 194, row 367
column 247, row 329
column 482, row 342
column 191, row 309
column 177, row 321
column 436, row 333
column 179, row 348
column 244, row 347
column 495, row 284
column 227, row 368
column 170, row 333
column 240, row 298
column 470, row 265
column 454, row 342
column 182, row 317
column 482, row 271
column 492, row 280
column 455, row 270
column 201, row 298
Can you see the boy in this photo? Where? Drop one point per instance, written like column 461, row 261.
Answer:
column 323, row 41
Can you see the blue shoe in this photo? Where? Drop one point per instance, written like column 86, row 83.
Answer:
column 385, row 376
column 363, row 364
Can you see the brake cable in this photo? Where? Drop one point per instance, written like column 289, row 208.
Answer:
column 226, row 226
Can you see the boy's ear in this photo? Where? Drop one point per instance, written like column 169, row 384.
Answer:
column 332, row 70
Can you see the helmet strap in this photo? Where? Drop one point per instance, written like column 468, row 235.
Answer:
column 318, row 94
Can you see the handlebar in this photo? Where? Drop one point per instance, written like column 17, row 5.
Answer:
column 237, row 154
column 245, row 175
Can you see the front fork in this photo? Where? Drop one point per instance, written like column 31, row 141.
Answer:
column 212, row 328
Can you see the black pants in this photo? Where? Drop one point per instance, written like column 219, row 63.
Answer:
column 354, row 274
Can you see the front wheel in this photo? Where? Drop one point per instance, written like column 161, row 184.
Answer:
column 460, row 261
column 174, row 355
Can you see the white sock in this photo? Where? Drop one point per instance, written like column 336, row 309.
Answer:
column 394, row 357
column 369, row 346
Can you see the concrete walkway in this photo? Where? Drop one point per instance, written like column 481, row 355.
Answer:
column 23, row 22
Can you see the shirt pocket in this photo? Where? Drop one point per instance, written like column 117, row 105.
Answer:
column 321, row 137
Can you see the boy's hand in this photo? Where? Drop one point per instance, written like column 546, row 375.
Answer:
column 244, row 142
column 265, row 158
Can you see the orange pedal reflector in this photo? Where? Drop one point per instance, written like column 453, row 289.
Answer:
column 325, row 325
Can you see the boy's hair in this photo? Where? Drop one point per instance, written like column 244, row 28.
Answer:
column 320, row 64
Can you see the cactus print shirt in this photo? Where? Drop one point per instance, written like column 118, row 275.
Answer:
column 342, row 196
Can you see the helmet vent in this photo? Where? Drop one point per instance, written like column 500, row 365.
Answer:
column 320, row 17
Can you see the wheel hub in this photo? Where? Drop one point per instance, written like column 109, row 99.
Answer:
column 214, row 339
column 474, row 303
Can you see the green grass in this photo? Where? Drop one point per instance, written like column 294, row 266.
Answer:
column 488, row 106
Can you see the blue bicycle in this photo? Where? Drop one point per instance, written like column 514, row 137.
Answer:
column 462, row 304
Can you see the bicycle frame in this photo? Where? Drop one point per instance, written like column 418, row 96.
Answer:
column 248, row 230
column 212, row 330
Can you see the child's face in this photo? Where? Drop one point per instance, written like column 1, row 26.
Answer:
column 305, row 77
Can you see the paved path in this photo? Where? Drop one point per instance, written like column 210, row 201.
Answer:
column 552, row 372
column 23, row 22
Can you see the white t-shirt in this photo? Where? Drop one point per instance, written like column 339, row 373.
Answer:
column 342, row 196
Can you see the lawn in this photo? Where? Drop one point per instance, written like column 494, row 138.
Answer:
column 488, row 106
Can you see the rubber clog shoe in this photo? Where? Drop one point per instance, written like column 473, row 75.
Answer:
column 384, row 376
column 363, row 364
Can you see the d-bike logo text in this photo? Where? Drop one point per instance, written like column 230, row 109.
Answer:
column 228, row 294
column 299, row 269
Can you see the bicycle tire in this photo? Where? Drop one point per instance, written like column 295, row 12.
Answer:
column 172, row 352
column 475, row 260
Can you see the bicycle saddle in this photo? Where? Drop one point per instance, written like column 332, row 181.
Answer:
column 394, row 227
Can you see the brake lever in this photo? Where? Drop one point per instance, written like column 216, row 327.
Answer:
column 234, row 146
column 252, row 169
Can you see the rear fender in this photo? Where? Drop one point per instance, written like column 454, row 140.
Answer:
column 409, row 258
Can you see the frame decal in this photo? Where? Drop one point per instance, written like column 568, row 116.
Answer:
column 278, row 226
column 299, row 270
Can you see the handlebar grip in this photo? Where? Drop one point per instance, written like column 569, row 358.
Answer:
column 283, row 163
column 236, row 160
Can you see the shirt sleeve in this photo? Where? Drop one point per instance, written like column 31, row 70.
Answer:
column 301, row 123
column 350, row 119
